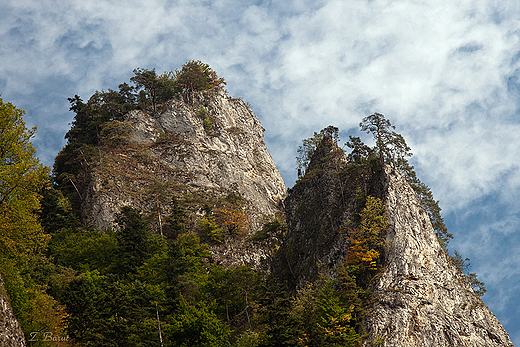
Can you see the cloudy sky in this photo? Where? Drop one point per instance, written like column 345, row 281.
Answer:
column 446, row 73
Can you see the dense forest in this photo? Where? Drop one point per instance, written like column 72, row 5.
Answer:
column 72, row 285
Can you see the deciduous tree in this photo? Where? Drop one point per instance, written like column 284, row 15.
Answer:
column 22, row 176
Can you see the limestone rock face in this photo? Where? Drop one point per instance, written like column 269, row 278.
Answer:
column 11, row 334
column 423, row 299
column 210, row 148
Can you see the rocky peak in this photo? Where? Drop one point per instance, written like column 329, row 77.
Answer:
column 199, row 151
column 316, row 209
column 421, row 297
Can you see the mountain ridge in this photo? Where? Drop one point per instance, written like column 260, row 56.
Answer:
column 188, row 231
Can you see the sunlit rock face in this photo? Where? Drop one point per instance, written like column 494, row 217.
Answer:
column 11, row 334
column 422, row 298
column 199, row 151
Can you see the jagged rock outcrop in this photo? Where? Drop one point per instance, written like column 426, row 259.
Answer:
column 11, row 334
column 199, row 152
column 316, row 210
column 423, row 299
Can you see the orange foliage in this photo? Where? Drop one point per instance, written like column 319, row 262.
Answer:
column 360, row 253
column 369, row 236
column 234, row 220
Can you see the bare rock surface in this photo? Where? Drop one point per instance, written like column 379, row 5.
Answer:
column 11, row 334
column 422, row 298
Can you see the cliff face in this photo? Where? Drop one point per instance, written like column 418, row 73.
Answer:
column 421, row 298
column 11, row 334
column 201, row 153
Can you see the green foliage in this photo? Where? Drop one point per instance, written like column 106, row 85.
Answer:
column 196, row 326
column 22, row 177
column 281, row 326
column 274, row 228
column 159, row 89
column 56, row 211
column 210, row 230
column 464, row 265
column 360, row 152
column 248, row 339
column 233, row 290
column 327, row 314
column 175, row 223
column 207, row 125
column 22, row 238
column 84, row 250
column 195, row 76
column 134, row 238
column 390, row 145
column 308, row 147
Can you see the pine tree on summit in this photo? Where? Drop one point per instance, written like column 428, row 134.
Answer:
column 390, row 145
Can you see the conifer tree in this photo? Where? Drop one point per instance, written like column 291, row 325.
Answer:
column 390, row 145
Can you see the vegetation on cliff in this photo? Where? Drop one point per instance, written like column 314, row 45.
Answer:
column 390, row 147
column 151, row 280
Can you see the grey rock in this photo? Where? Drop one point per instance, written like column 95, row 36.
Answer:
column 422, row 297
column 11, row 334
column 211, row 148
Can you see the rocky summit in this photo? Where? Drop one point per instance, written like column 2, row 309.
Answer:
column 211, row 147
column 420, row 297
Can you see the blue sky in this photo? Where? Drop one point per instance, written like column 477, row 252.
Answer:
column 446, row 73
